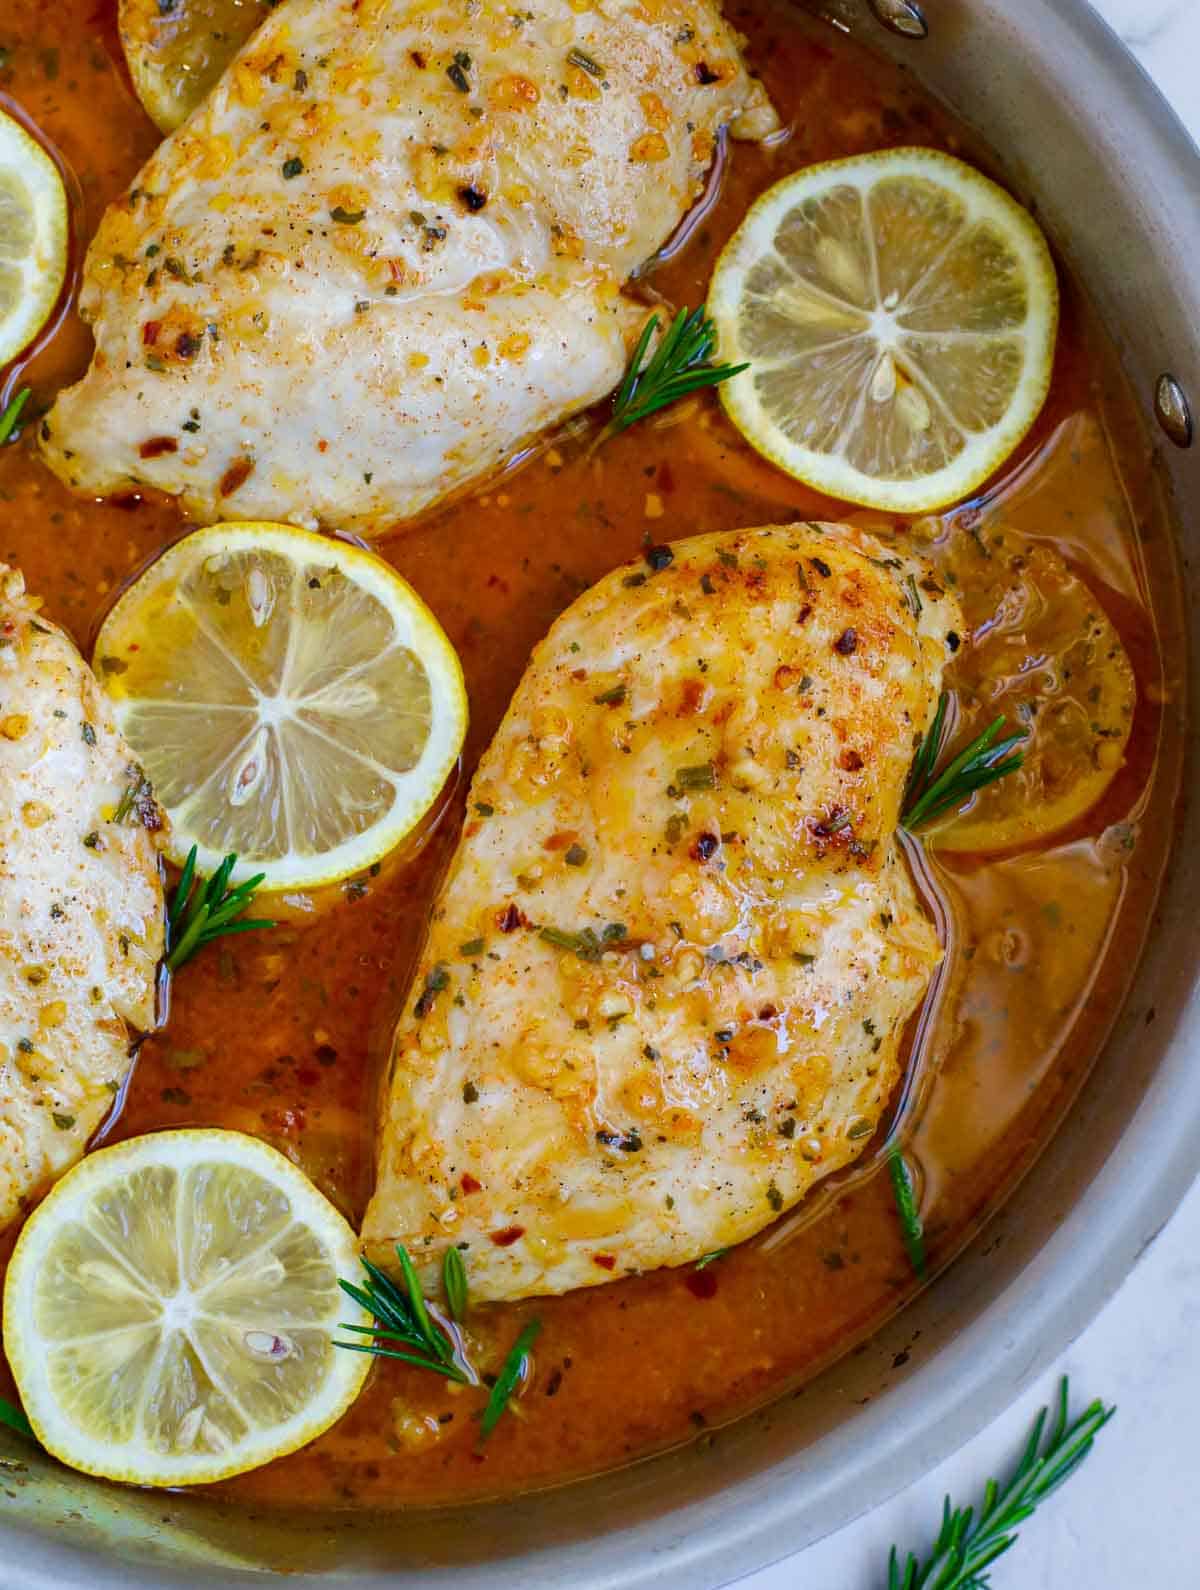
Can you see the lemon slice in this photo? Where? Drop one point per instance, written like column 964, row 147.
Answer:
column 290, row 696
column 177, row 50
column 33, row 237
column 898, row 312
column 1041, row 651
column 169, row 1310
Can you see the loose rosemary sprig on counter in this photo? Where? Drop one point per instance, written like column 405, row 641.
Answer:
column 12, row 413
column 402, row 1315
column 967, row 1544
column 680, row 364
column 982, row 762
column 200, row 913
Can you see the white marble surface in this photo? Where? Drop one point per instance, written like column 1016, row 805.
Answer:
column 1131, row 1515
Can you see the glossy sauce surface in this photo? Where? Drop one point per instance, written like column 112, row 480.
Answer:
column 283, row 1034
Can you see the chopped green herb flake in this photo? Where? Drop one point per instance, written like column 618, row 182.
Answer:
column 436, row 979
column 703, row 776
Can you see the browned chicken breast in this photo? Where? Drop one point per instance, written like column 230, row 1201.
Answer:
column 670, row 968
column 81, row 901
column 388, row 247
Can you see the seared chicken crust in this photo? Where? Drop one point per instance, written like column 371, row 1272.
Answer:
column 388, row 248
column 670, row 967
column 81, row 901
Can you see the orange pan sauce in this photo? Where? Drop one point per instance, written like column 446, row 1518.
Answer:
column 282, row 1034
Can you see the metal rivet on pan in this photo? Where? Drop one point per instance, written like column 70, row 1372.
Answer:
column 1171, row 410
column 904, row 17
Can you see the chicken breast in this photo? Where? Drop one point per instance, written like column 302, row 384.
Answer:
column 388, row 248
column 670, row 968
column 81, row 901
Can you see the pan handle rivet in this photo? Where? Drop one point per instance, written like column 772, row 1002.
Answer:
column 1172, row 411
column 904, row 17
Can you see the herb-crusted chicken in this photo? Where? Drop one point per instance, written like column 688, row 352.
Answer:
column 670, row 968
column 388, row 248
column 81, row 901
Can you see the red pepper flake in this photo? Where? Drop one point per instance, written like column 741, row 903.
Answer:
column 156, row 446
column 563, row 840
column 235, row 476
column 150, row 333
column 702, row 1283
column 606, row 1261
column 506, row 1238
column 846, row 643
column 849, row 761
column 511, row 918
column 692, row 696
column 470, row 1185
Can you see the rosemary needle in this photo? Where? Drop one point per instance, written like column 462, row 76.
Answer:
column 15, row 1419
column 911, row 1228
column 508, row 1378
column 680, row 364
column 982, row 762
column 12, row 413
column 202, row 912
column 454, row 1284
column 966, row 1543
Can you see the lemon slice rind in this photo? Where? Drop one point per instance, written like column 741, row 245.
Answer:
column 139, row 1324
column 33, row 237
column 841, row 339
column 319, row 740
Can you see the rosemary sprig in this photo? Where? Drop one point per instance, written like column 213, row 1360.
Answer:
column 966, row 1545
column 15, row 1419
column 401, row 1315
column 12, row 413
column 911, row 1228
column 200, row 913
column 680, row 364
column 508, row 1378
column 982, row 762
column 705, row 1259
